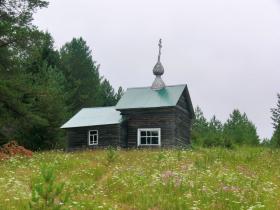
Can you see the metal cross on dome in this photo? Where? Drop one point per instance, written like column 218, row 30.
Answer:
column 159, row 49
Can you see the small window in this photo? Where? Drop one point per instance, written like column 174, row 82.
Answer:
column 148, row 136
column 93, row 137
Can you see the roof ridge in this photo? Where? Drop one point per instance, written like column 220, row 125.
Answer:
column 150, row 87
column 99, row 107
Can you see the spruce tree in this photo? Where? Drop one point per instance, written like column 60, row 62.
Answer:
column 108, row 95
column 240, row 130
column 40, row 87
column 119, row 94
column 17, row 34
column 276, row 123
column 17, row 30
column 276, row 113
column 81, row 74
column 49, row 110
column 215, row 133
column 199, row 127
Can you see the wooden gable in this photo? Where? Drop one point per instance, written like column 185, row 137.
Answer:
column 185, row 104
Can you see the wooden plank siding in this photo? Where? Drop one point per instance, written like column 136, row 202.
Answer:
column 174, row 121
column 163, row 118
column 183, row 128
column 108, row 135
column 183, row 122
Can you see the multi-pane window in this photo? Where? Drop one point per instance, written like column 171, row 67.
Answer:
column 93, row 137
column 149, row 136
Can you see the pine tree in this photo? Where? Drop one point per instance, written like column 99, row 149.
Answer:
column 40, row 53
column 276, row 113
column 240, row 130
column 33, row 98
column 81, row 74
column 215, row 133
column 199, row 127
column 40, row 87
column 48, row 110
column 17, row 30
column 46, row 96
column 14, row 105
column 107, row 93
column 119, row 94
column 276, row 123
column 17, row 34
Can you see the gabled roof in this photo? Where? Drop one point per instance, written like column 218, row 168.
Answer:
column 145, row 97
column 94, row 116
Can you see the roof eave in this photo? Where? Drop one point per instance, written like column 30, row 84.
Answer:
column 153, row 107
column 89, row 125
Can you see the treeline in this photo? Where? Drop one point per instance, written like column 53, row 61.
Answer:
column 238, row 130
column 40, row 86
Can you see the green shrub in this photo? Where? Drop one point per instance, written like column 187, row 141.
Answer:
column 111, row 154
column 228, row 143
column 46, row 194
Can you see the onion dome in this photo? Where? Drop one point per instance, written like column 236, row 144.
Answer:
column 158, row 71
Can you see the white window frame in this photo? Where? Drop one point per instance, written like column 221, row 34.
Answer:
column 89, row 143
column 148, row 129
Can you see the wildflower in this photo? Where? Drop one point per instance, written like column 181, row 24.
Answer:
column 188, row 195
column 256, row 207
column 178, row 182
column 166, row 175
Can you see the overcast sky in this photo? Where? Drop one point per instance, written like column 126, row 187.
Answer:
column 227, row 51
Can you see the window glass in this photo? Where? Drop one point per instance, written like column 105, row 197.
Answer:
column 154, row 140
column 143, row 133
column 143, row 140
column 149, row 136
column 154, row 133
column 149, row 140
column 93, row 137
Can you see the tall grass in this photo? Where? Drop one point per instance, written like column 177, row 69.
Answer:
column 216, row 178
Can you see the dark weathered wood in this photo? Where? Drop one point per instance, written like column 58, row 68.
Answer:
column 174, row 122
column 183, row 121
column 163, row 118
column 183, row 128
column 108, row 135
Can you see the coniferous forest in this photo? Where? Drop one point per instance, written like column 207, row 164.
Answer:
column 41, row 87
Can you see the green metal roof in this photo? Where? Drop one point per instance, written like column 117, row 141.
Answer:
column 145, row 97
column 94, row 116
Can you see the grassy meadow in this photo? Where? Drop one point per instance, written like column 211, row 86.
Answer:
column 243, row 178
